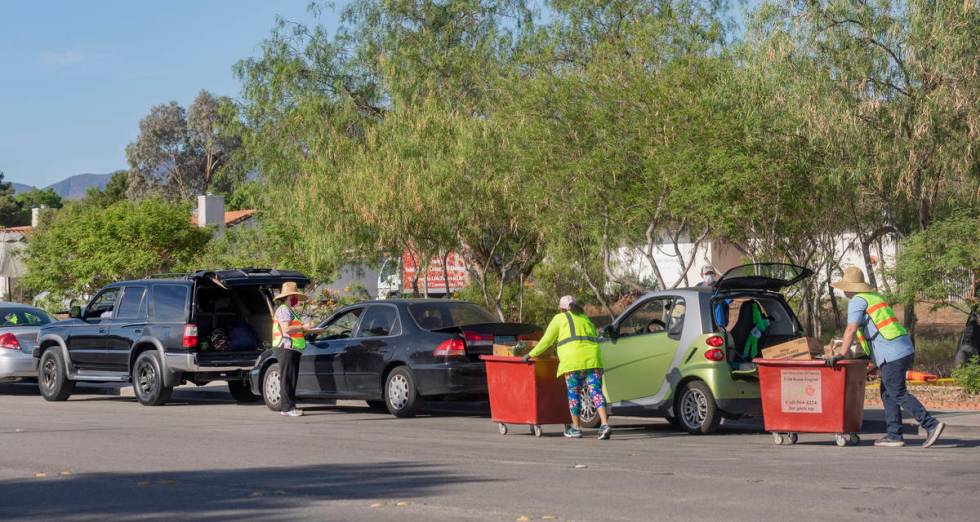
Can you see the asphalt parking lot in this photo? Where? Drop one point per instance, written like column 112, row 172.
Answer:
column 99, row 457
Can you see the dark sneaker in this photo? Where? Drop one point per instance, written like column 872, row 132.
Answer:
column 605, row 432
column 573, row 433
column 933, row 435
column 890, row 442
column 292, row 413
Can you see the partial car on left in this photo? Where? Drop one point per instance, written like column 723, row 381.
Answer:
column 19, row 325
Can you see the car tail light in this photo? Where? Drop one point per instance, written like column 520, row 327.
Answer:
column 715, row 354
column 9, row 341
column 451, row 348
column 190, row 336
column 715, row 341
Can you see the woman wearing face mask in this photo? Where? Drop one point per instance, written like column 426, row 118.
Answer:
column 289, row 340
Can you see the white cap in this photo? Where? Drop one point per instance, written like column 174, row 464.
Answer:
column 566, row 302
column 706, row 269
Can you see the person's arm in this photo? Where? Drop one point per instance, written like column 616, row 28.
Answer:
column 848, row 338
column 855, row 316
column 549, row 338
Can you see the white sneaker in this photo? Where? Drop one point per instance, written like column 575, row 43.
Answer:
column 292, row 413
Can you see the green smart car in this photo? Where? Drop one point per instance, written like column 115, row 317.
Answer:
column 678, row 354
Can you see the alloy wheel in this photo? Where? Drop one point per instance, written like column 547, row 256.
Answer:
column 694, row 408
column 146, row 378
column 588, row 412
column 398, row 391
column 49, row 373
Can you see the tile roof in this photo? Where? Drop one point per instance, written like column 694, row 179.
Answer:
column 232, row 217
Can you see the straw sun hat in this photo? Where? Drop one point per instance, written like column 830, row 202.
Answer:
column 289, row 288
column 852, row 281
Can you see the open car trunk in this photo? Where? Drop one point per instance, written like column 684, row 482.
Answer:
column 233, row 312
column 782, row 324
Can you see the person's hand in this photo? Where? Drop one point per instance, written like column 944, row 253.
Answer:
column 832, row 362
column 526, row 358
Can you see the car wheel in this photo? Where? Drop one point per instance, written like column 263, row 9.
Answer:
column 53, row 377
column 401, row 393
column 696, row 409
column 148, row 380
column 241, row 391
column 589, row 415
column 271, row 388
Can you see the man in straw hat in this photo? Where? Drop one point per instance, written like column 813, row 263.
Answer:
column 883, row 338
column 288, row 338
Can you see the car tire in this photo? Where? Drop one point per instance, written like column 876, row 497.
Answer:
column 696, row 409
column 401, row 393
column 242, row 392
column 271, row 387
column 147, row 377
column 589, row 415
column 52, row 377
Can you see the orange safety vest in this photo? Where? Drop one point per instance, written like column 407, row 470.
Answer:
column 883, row 318
column 297, row 340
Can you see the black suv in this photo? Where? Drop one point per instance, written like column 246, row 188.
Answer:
column 159, row 333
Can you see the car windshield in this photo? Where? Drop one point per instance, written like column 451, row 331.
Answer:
column 436, row 315
column 23, row 317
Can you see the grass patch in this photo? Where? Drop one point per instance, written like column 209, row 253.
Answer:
column 934, row 354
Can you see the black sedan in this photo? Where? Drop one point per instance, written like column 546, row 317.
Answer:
column 393, row 353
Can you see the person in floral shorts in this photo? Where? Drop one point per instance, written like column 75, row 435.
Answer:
column 579, row 360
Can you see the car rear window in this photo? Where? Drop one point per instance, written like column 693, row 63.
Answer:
column 436, row 315
column 12, row 317
column 170, row 303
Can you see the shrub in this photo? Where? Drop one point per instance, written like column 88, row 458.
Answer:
column 968, row 375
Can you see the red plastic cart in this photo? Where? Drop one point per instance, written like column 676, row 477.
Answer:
column 809, row 397
column 526, row 392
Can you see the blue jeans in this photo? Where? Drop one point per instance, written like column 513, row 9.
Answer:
column 895, row 396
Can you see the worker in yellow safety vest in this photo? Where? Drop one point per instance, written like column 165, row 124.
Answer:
column 579, row 361
column 883, row 338
column 288, row 339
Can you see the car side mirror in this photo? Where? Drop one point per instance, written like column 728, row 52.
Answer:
column 75, row 312
column 610, row 332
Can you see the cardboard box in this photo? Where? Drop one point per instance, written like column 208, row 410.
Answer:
column 803, row 348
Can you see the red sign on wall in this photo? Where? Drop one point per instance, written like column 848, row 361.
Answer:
column 456, row 272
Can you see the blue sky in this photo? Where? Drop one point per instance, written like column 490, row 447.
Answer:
column 77, row 76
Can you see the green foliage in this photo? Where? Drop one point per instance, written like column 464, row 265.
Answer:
column 968, row 375
column 114, row 191
column 181, row 153
column 938, row 263
column 85, row 247
column 37, row 198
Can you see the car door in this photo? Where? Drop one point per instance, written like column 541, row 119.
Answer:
column 364, row 359
column 645, row 340
column 87, row 341
column 126, row 327
column 320, row 370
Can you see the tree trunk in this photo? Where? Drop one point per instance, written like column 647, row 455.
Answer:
column 833, row 298
column 868, row 265
column 445, row 270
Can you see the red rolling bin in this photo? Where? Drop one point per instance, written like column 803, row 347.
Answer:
column 526, row 392
column 808, row 397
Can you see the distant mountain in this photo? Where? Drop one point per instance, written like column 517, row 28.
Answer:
column 20, row 187
column 72, row 187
